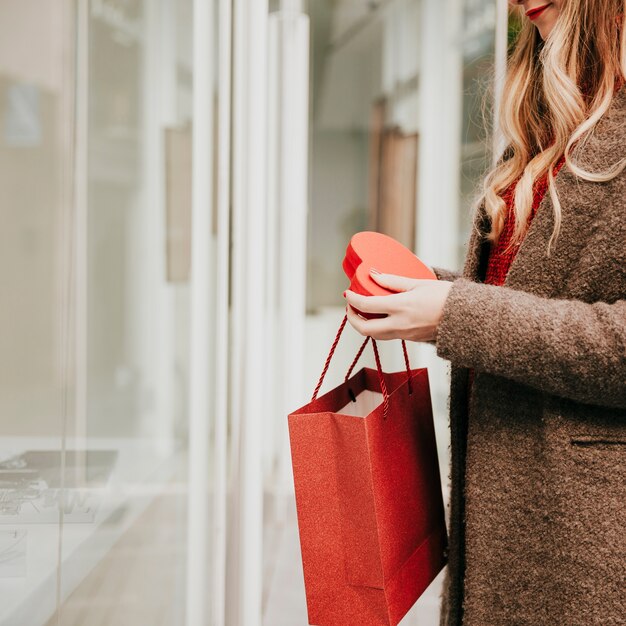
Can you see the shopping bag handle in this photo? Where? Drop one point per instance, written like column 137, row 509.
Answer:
column 383, row 386
column 406, row 361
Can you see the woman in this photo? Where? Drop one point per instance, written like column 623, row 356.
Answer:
column 535, row 329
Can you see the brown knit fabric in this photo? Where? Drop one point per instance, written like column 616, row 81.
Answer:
column 538, row 469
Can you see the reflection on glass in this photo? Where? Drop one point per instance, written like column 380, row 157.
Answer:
column 33, row 98
column 364, row 132
column 126, row 565
column 94, row 434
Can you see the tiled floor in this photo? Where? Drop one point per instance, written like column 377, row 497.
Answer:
column 140, row 580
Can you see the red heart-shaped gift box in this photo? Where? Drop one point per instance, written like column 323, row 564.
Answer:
column 369, row 250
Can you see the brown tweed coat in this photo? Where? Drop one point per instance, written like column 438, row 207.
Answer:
column 538, row 470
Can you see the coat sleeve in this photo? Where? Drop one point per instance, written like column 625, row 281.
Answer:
column 443, row 274
column 565, row 347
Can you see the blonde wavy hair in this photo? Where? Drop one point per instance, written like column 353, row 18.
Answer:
column 555, row 92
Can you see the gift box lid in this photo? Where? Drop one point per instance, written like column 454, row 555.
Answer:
column 368, row 250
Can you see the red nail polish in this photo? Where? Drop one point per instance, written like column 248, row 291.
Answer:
column 344, row 294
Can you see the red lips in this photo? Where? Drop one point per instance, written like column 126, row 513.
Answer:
column 533, row 13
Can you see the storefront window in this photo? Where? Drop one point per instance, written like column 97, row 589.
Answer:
column 130, row 440
column 363, row 131
column 36, row 382
column 96, row 124
column 172, row 278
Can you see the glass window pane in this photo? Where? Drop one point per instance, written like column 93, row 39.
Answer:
column 35, row 351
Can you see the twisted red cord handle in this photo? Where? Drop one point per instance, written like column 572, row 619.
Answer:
column 383, row 386
column 356, row 358
column 381, row 378
column 408, row 366
column 406, row 361
column 330, row 356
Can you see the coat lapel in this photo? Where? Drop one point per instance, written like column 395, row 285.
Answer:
column 533, row 270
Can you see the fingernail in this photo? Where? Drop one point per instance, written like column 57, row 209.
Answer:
column 344, row 294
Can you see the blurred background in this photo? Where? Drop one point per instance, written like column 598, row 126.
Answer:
column 179, row 180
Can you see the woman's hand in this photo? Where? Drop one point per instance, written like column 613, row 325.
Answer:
column 412, row 314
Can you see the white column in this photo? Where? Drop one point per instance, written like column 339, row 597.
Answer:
column 253, row 402
column 81, row 184
column 273, row 333
column 439, row 131
column 439, row 162
column 249, row 251
column 152, row 313
column 220, row 536
column 289, row 31
column 237, row 337
column 201, row 322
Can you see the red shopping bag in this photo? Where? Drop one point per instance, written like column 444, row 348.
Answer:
column 368, row 495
